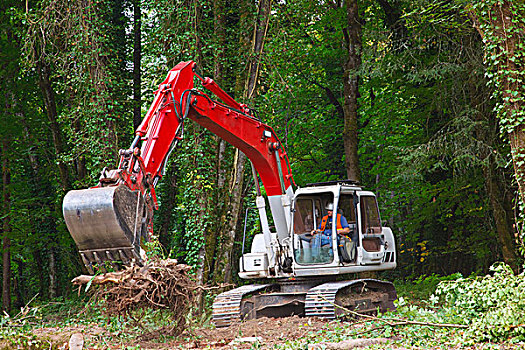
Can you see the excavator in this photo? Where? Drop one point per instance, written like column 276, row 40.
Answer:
column 299, row 271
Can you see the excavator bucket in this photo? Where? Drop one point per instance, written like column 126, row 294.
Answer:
column 106, row 224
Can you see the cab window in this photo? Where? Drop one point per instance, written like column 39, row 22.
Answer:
column 370, row 221
column 311, row 249
column 346, row 208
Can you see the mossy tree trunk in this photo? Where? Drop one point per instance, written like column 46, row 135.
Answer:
column 6, row 228
column 224, row 260
column 502, row 27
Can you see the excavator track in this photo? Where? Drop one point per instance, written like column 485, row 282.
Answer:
column 366, row 296
column 227, row 305
column 311, row 299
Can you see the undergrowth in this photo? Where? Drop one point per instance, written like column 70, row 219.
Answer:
column 78, row 315
column 493, row 306
column 455, row 312
column 486, row 312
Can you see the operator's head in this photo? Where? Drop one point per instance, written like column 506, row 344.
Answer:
column 330, row 209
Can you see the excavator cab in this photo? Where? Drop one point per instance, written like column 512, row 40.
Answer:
column 308, row 266
column 362, row 243
column 364, row 240
column 318, row 248
column 312, row 247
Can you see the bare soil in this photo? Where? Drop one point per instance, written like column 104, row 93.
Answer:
column 266, row 331
column 269, row 331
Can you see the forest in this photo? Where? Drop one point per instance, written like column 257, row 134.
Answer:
column 421, row 101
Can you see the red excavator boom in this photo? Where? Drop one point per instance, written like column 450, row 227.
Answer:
column 108, row 220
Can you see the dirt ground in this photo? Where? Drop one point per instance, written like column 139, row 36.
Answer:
column 267, row 332
column 262, row 333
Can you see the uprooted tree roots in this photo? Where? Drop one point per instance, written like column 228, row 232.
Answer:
column 160, row 284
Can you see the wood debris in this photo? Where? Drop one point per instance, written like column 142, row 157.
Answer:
column 159, row 284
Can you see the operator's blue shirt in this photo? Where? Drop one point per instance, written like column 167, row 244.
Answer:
column 326, row 235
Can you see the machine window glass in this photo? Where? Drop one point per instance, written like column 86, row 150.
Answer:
column 303, row 217
column 370, row 220
column 310, row 249
column 347, row 209
column 317, row 212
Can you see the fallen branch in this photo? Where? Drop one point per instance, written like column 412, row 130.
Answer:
column 396, row 321
column 111, row 277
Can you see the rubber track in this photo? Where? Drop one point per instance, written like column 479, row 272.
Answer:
column 320, row 300
column 227, row 305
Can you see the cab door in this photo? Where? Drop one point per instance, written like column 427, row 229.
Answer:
column 308, row 248
column 372, row 242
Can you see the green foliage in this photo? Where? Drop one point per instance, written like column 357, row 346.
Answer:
column 493, row 305
column 303, row 67
column 79, row 314
column 85, row 48
column 426, row 132
column 501, row 25
column 422, row 287
column 193, row 220
column 490, row 307
column 505, row 57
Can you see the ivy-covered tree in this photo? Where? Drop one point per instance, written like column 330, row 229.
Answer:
column 501, row 24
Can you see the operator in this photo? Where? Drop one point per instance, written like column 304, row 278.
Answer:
column 325, row 227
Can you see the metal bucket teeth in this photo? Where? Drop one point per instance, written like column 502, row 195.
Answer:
column 106, row 224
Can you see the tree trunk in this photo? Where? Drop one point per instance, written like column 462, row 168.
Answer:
column 137, row 55
column 502, row 28
column 44, row 75
column 352, row 36
column 224, row 263
column 52, row 273
column 517, row 147
column 220, row 203
column 216, row 202
column 6, row 226
column 501, row 201
column 496, row 182
column 6, row 271
column 245, row 44
column 263, row 17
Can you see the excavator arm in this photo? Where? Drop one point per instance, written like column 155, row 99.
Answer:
column 107, row 221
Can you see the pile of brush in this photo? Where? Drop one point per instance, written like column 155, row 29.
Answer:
column 159, row 284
